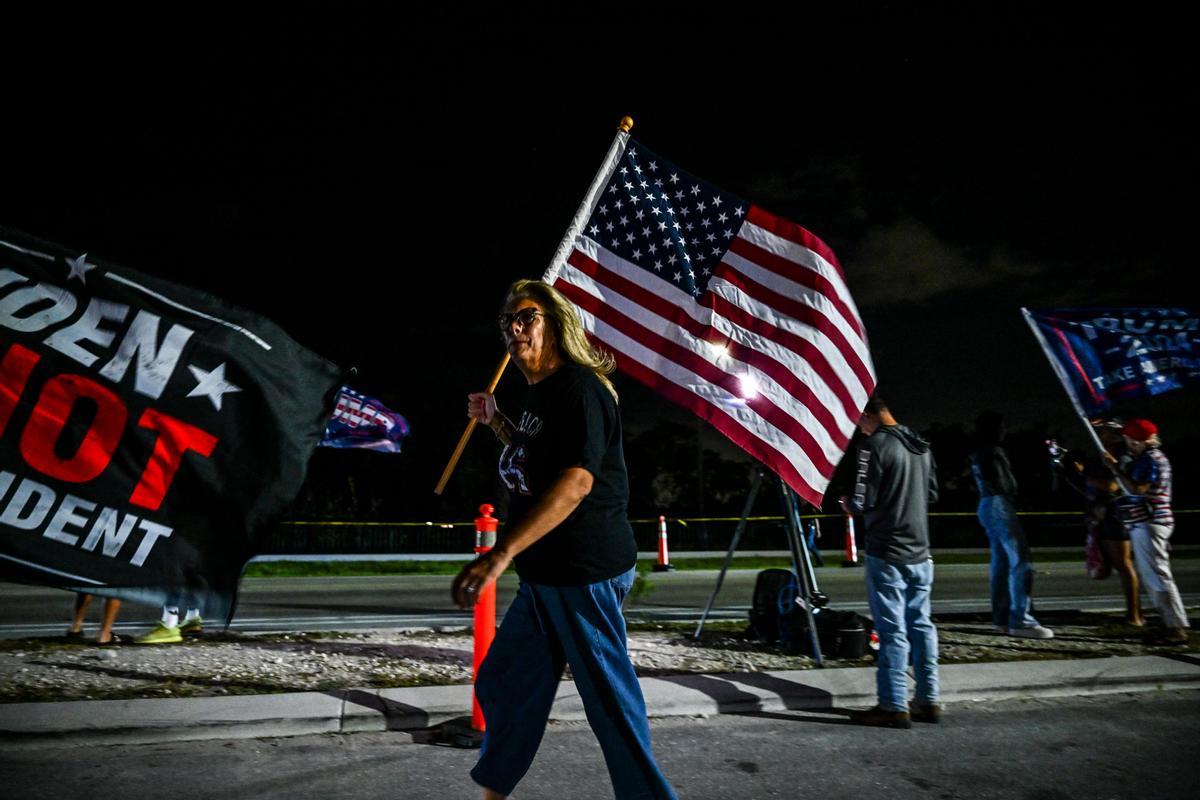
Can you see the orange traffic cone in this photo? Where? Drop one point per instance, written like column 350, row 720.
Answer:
column 664, row 560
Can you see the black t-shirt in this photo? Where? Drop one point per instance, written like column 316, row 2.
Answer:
column 570, row 420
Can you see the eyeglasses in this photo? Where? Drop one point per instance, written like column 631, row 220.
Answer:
column 524, row 318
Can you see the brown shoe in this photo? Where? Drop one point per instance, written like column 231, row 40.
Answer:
column 926, row 712
column 881, row 718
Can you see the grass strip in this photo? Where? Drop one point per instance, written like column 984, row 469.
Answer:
column 681, row 562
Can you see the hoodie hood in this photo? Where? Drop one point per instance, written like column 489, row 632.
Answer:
column 909, row 438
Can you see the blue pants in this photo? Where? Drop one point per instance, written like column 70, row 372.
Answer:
column 545, row 628
column 1011, row 570
column 899, row 599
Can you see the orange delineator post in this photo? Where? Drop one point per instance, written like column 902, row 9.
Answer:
column 664, row 559
column 850, row 555
column 485, row 607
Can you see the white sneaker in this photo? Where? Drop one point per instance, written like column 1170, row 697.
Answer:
column 1032, row 632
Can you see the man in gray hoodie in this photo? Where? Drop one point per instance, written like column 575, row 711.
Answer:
column 895, row 484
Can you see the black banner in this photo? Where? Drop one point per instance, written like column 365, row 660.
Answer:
column 147, row 431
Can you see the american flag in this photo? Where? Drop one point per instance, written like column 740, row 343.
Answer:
column 742, row 317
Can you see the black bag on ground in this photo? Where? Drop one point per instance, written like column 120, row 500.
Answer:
column 773, row 603
column 775, row 618
column 843, row 634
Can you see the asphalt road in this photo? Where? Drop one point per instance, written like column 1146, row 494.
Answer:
column 1111, row 746
column 421, row 601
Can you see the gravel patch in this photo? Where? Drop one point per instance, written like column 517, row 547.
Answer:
column 215, row 664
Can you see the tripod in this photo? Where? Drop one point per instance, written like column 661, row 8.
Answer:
column 810, row 596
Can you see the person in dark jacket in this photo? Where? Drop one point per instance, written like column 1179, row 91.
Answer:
column 1012, row 563
column 896, row 481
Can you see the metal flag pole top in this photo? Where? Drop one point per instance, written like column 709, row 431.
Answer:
column 615, row 151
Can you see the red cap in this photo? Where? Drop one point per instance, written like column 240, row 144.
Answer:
column 1140, row 430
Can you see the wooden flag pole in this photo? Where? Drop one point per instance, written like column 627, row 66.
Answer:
column 466, row 435
column 564, row 247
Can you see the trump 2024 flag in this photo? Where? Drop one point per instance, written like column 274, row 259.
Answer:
column 1106, row 355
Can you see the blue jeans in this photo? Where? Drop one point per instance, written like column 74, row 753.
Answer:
column 899, row 598
column 1011, row 570
column 545, row 628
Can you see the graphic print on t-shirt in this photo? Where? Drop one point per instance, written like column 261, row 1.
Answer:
column 512, row 460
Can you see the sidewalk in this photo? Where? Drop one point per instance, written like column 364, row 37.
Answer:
column 70, row 724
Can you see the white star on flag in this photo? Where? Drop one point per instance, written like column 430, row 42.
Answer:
column 79, row 268
column 212, row 384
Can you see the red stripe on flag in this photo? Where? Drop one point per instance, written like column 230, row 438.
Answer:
column 717, row 417
column 801, row 347
column 690, row 361
column 788, row 307
column 797, row 344
column 641, row 295
column 1087, row 380
column 793, row 233
column 796, row 273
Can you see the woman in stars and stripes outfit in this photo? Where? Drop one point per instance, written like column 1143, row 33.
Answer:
column 1146, row 512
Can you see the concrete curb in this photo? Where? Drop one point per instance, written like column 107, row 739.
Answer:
column 71, row 724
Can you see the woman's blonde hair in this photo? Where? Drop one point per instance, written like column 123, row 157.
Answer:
column 572, row 341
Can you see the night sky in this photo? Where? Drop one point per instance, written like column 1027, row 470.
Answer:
column 373, row 184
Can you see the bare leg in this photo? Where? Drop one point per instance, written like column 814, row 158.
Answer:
column 82, row 601
column 111, row 606
column 1120, row 556
column 488, row 794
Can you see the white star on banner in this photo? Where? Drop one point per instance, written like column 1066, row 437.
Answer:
column 79, row 268
column 212, row 384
